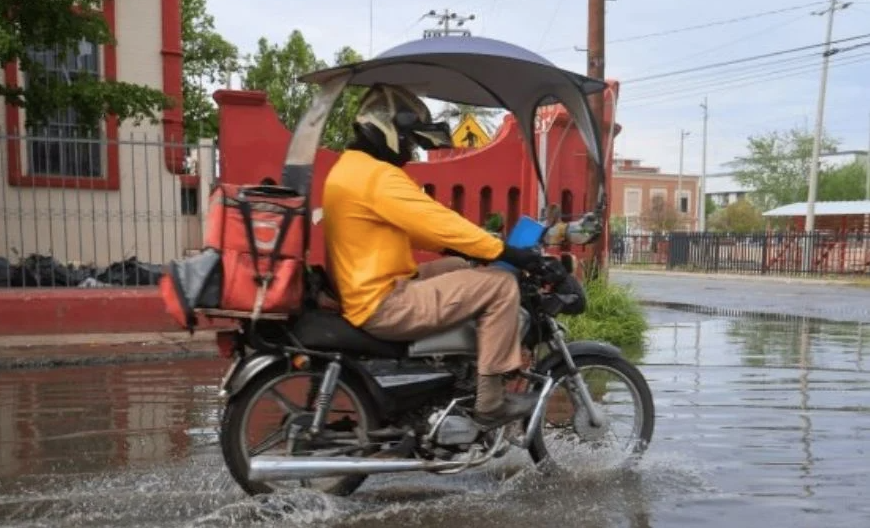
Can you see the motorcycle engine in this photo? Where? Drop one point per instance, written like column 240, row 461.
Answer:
column 454, row 430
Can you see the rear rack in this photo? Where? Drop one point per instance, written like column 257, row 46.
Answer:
column 240, row 314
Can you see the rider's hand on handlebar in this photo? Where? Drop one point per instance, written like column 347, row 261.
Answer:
column 524, row 259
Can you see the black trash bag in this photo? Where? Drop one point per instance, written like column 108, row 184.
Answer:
column 10, row 275
column 46, row 271
column 131, row 272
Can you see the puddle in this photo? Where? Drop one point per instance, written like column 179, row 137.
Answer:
column 761, row 421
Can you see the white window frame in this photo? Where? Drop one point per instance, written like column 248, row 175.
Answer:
column 688, row 196
column 626, row 193
column 101, row 159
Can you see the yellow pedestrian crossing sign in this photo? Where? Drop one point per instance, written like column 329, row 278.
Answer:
column 469, row 134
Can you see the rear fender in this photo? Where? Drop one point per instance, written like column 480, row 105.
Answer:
column 578, row 349
column 249, row 367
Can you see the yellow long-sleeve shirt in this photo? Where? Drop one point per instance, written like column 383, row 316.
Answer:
column 374, row 215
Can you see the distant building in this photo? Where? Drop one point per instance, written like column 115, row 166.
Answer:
column 724, row 189
column 635, row 187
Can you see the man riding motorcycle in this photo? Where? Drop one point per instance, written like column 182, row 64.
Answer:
column 374, row 215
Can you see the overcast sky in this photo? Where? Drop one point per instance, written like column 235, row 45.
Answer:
column 762, row 95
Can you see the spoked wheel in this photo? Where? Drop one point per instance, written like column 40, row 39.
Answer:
column 622, row 396
column 268, row 415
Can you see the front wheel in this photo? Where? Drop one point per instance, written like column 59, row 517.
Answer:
column 622, row 396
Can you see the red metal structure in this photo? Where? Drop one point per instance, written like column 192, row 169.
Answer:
column 475, row 182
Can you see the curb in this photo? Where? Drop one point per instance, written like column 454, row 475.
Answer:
column 745, row 278
column 18, row 352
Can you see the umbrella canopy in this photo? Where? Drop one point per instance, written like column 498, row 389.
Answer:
column 481, row 72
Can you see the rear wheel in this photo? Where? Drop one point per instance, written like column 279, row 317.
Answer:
column 623, row 397
column 264, row 417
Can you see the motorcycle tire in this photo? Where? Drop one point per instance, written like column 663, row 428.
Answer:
column 232, row 425
column 538, row 449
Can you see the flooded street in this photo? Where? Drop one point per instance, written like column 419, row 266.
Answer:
column 760, row 421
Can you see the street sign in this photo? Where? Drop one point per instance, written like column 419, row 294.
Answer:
column 469, row 134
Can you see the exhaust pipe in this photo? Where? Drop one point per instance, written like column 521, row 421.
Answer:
column 274, row 468
column 266, row 468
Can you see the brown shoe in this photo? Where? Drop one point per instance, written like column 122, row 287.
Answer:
column 494, row 408
column 513, row 407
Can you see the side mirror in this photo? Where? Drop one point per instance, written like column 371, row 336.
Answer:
column 585, row 230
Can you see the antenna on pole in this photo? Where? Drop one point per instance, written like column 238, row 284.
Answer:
column 445, row 19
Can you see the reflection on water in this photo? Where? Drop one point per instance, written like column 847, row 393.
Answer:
column 760, row 421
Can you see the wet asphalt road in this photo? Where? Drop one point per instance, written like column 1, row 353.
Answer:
column 836, row 301
column 761, row 421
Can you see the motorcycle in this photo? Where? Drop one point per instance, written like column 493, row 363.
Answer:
column 313, row 401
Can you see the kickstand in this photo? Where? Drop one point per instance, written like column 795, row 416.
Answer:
column 401, row 450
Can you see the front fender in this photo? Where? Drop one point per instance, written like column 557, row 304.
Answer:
column 578, row 349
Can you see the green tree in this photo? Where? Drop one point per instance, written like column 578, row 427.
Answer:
column 29, row 25
column 454, row 113
column 710, row 206
column 739, row 217
column 339, row 128
column 208, row 58
column 618, row 225
column 275, row 69
column 777, row 166
column 843, row 183
column 660, row 216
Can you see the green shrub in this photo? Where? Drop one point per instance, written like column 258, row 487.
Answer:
column 613, row 315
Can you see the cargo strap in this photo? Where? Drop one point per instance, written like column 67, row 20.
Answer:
column 263, row 280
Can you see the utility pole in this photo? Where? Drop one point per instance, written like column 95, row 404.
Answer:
column 867, row 191
column 444, row 19
column 595, row 70
column 371, row 28
column 810, row 224
column 702, row 201
column 679, row 200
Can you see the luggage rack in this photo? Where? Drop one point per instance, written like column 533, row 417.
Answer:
column 240, row 314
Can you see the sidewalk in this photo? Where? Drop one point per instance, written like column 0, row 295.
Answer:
column 88, row 349
column 825, row 299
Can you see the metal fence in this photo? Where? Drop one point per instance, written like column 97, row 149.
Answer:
column 786, row 253
column 78, row 211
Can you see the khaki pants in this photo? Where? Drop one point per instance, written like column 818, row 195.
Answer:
column 446, row 292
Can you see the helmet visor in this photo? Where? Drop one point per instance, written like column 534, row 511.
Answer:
column 431, row 136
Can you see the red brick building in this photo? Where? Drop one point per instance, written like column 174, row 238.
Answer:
column 635, row 186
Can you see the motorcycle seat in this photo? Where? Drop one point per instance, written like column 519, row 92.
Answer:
column 328, row 331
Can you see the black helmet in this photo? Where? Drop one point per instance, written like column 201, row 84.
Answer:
column 394, row 120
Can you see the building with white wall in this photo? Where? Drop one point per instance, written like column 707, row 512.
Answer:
column 116, row 192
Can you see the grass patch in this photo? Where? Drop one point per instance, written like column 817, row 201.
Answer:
column 613, row 315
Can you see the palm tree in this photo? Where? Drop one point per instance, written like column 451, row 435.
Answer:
column 453, row 113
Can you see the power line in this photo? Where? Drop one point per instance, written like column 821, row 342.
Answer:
column 677, row 94
column 740, row 61
column 834, row 51
column 546, row 32
column 715, row 23
column 665, row 96
column 708, row 76
column 741, row 39
column 695, row 27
